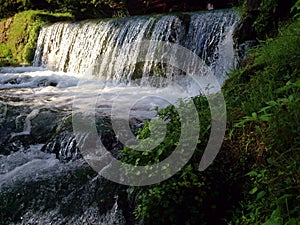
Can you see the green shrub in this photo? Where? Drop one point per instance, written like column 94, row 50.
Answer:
column 190, row 196
column 161, row 203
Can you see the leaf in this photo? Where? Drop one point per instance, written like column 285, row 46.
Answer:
column 252, row 173
column 296, row 7
column 275, row 218
column 267, row 107
column 284, row 88
column 292, row 221
column 297, row 83
column 137, row 161
column 283, row 198
column 272, row 161
column 254, row 115
column 159, row 152
column 258, row 129
column 260, row 195
column 265, row 118
column 271, row 103
column 253, row 191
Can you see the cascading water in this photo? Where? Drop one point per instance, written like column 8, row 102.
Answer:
column 43, row 179
column 74, row 47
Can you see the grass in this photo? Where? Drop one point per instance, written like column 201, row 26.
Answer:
column 263, row 100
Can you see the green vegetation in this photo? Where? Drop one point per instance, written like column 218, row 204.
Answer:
column 88, row 9
column 256, row 177
column 19, row 35
column 261, row 18
column 80, row 9
column 182, row 198
column 264, row 101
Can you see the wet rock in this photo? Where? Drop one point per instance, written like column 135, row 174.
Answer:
column 44, row 125
column 245, row 34
column 72, row 195
column 64, row 146
column 45, row 190
column 46, row 82
column 245, row 31
column 22, row 127
column 17, row 80
column 63, row 143
column 12, row 120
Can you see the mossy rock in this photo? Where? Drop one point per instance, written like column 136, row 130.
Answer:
column 19, row 35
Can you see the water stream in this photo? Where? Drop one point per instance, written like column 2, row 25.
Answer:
column 43, row 178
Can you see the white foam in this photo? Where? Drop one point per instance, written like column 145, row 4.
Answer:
column 30, row 87
column 32, row 77
column 27, row 125
column 30, row 165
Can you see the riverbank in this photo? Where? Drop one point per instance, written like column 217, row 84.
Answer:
column 263, row 104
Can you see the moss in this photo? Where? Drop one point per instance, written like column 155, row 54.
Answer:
column 19, row 35
column 5, row 51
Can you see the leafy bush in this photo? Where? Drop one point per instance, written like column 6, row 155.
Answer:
column 190, row 196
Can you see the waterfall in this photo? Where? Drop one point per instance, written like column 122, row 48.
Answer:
column 43, row 176
column 74, row 47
